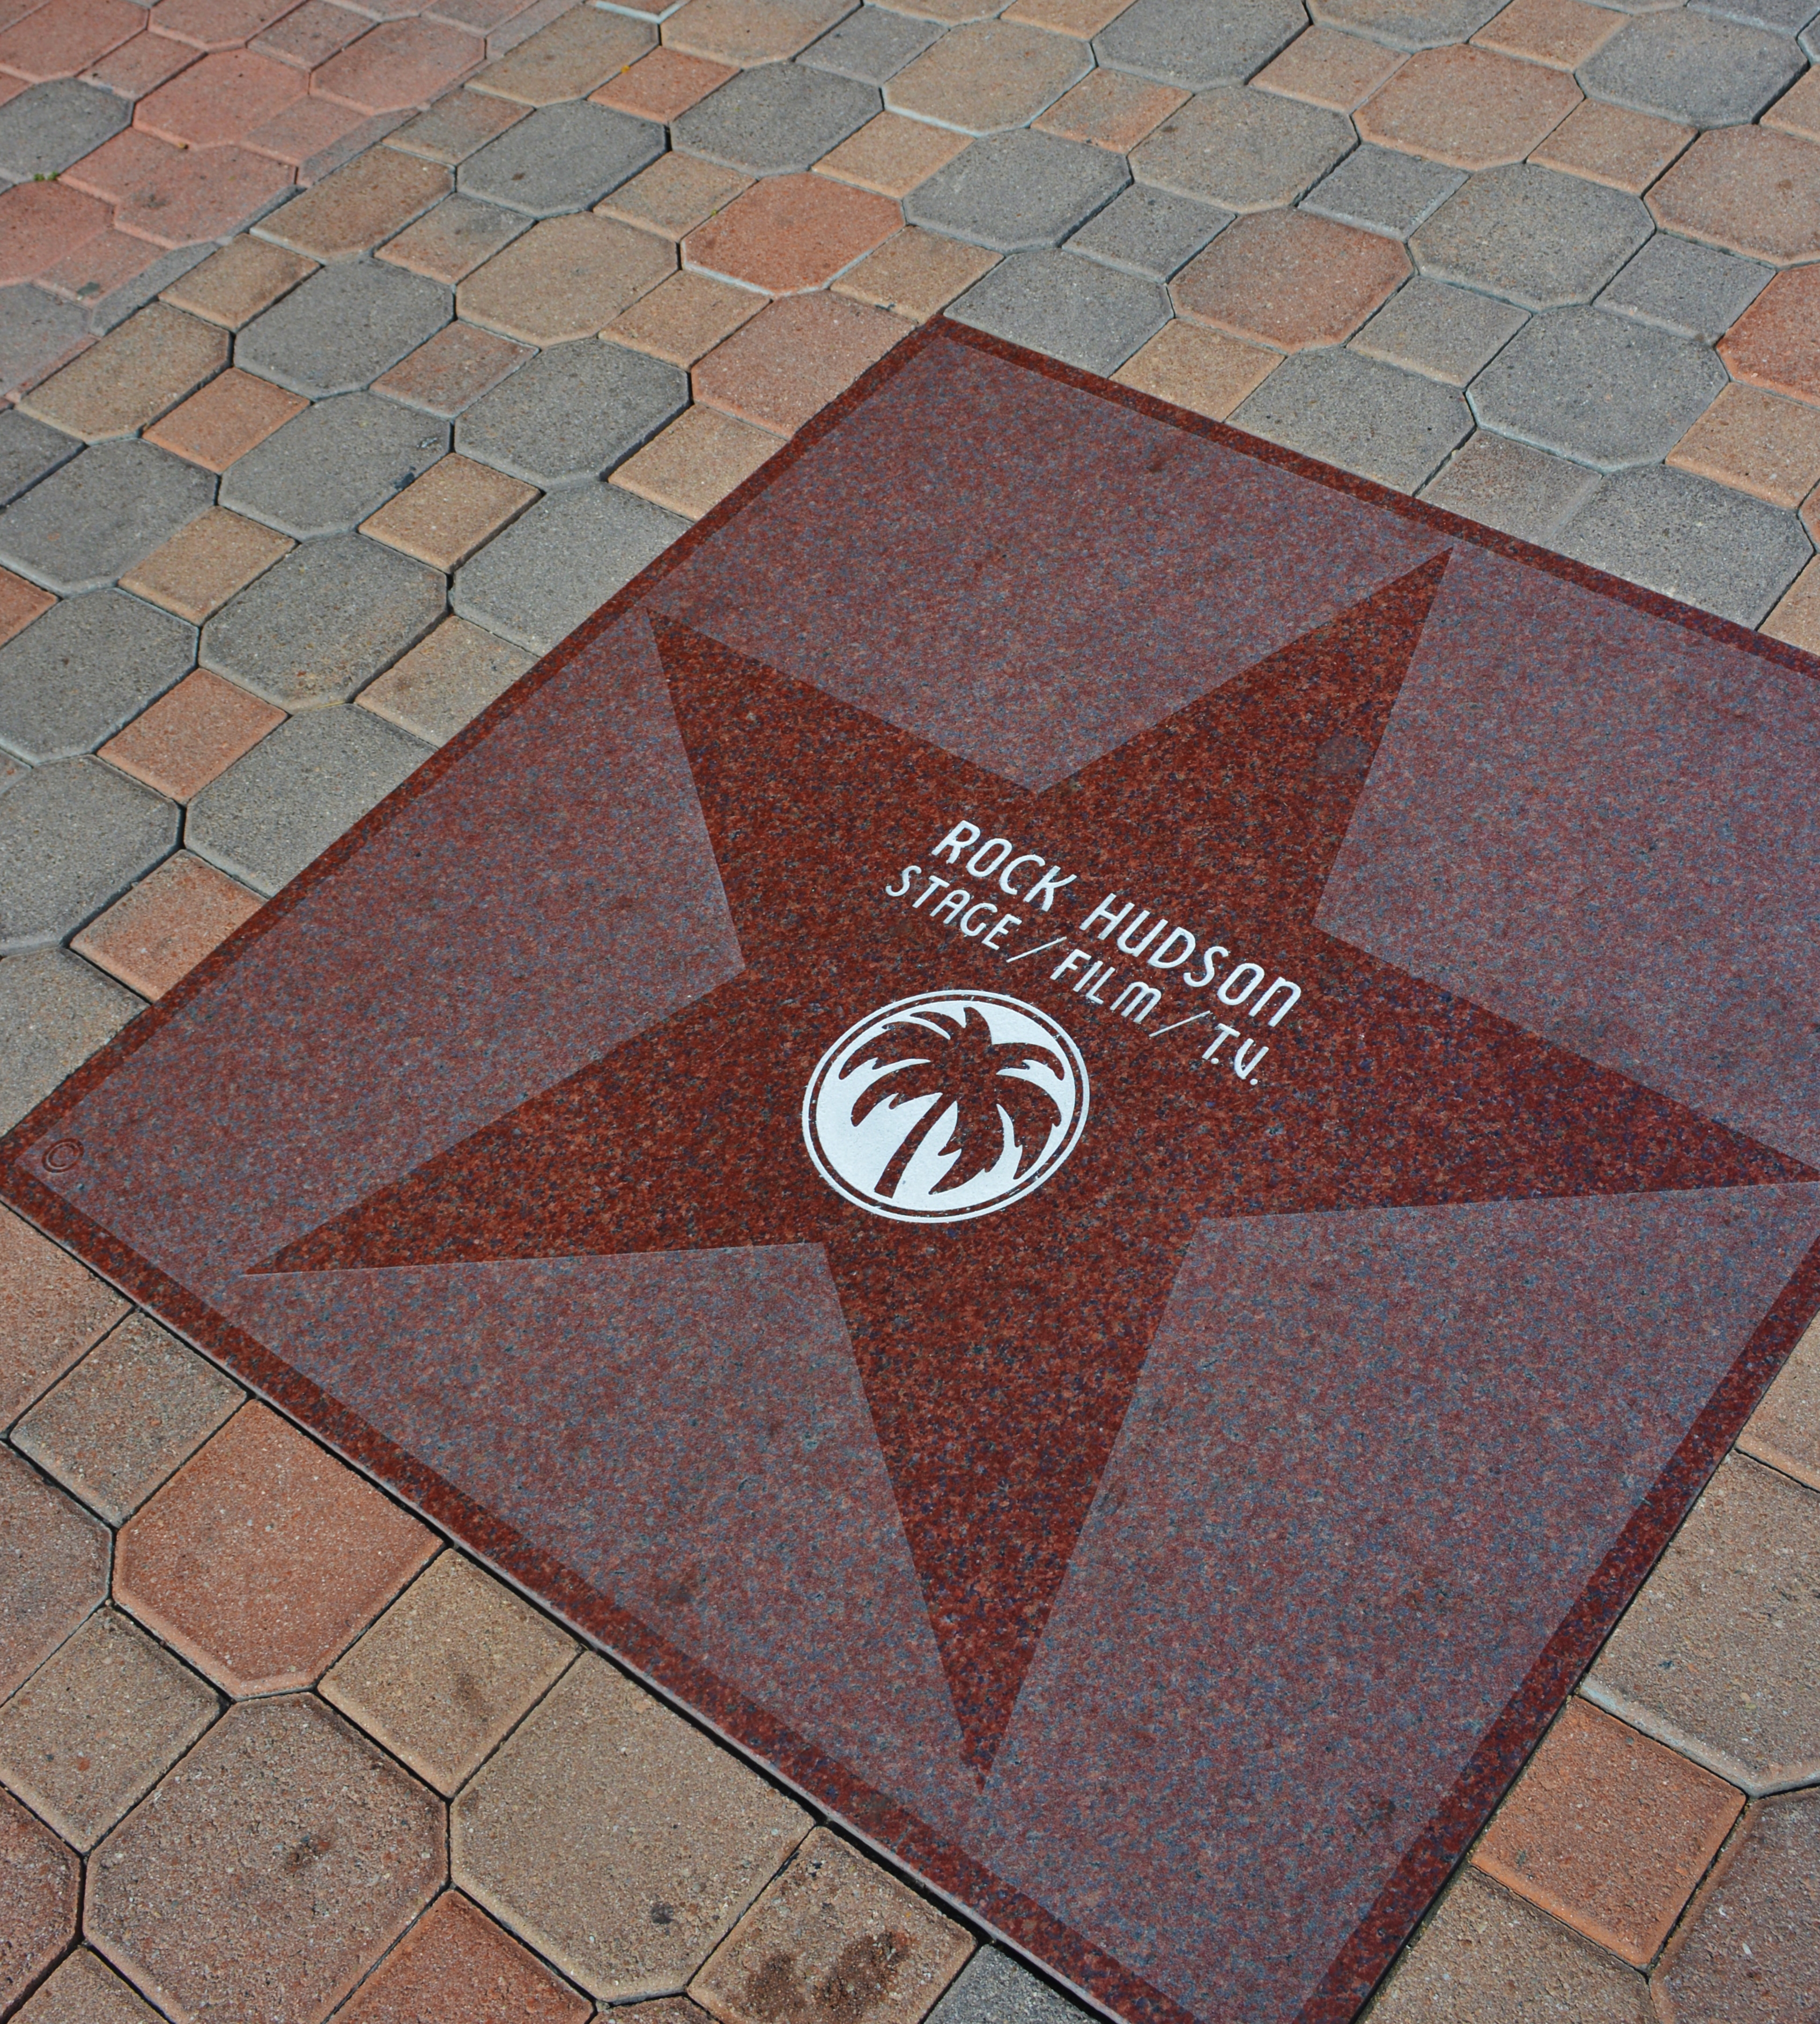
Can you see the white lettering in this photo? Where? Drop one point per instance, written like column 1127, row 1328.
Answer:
column 934, row 886
column 1226, row 1033
column 1163, row 960
column 1244, row 1062
column 1137, row 948
column 1137, row 1001
column 982, row 906
column 1103, row 912
column 910, row 872
column 1295, row 998
column 1067, row 963
column 958, row 900
column 1226, row 994
column 1006, row 923
column 1048, row 887
column 1002, row 845
column 1005, row 884
column 1207, row 977
column 956, row 840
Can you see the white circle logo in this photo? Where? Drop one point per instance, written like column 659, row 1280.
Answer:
column 945, row 1106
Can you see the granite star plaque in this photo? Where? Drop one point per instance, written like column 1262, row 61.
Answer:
column 1090, row 1130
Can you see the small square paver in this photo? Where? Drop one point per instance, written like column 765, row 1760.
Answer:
column 74, row 835
column 1244, row 149
column 1071, row 308
column 43, row 221
column 1196, row 44
column 231, row 286
column 58, row 1010
column 1798, row 110
column 459, row 363
column 1684, row 66
column 359, row 206
column 1693, row 290
column 198, row 569
column 1200, row 370
column 456, row 127
column 682, row 319
column 1017, row 191
column 994, row 1989
column 662, row 85
column 222, row 422
column 449, row 1670
column 673, row 196
column 572, row 413
column 318, row 626
column 343, row 327
column 1111, row 111
column 1758, row 443
column 97, row 1724
column 602, row 1805
column 20, row 602
column 1442, row 333
column 1408, row 24
column 87, row 666
column 398, row 65
column 1538, row 238
column 1609, row 1832
column 1381, row 191
column 83, row 1989
column 777, row 119
column 1467, row 108
column 871, row 45
column 263, row 1557
column 563, row 158
column 1325, row 68
column 793, row 358
column 40, row 1885
column 915, row 274
column 1148, row 232
column 44, row 130
column 153, row 936
column 788, row 233
column 1364, row 416
column 1796, row 619
column 1560, row 33
column 57, row 1311
column 833, row 1920
column 560, row 562
column 452, row 509
column 1784, row 1429
column 29, row 451
column 453, row 1953
column 445, row 681
column 1776, row 342
column 1749, row 190
column 310, row 35
column 988, row 77
column 1083, row 19
column 1610, row 145
column 136, row 372
column 191, row 735
column 567, row 278
column 698, row 460
column 1290, row 281
column 326, row 469
column 314, row 136
column 575, row 53
column 37, row 332
column 54, row 1565
column 448, row 242
column 279, row 808
column 745, row 32
column 890, row 155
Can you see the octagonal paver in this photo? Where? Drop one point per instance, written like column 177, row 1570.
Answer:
column 572, row 413
column 341, row 328
column 89, row 523
column 1750, row 1948
column 1195, row 44
column 1690, row 66
column 298, row 1852
column 43, row 130
column 781, row 117
column 1017, row 190
column 1538, row 238
column 791, row 232
column 90, row 665
column 1408, row 24
column 603, row 1804
column 871, row 45
column 1747, row 189
column 74, row 835
column 330, row 467
column 53, row 1569
column 1289, row 280
column 40, row 1883
column 1246, row 150
column 1694, row 291
column 1469, row 108
column 563, row 158
column 735, row 31
column 1070, row 307
column 1149, row 231
column 988, row 77
column 1333, row 405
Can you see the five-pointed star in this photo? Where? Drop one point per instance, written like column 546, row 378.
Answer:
column 998, row 1354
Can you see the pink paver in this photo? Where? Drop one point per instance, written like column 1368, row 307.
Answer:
column 66, row 37
column 140, row 65
column 790, row 232
column 400, row 65
column 218, row 24
column 315, row 136
column 98, row 266
column 219, row 100
column 41, row 224
column 175, row 197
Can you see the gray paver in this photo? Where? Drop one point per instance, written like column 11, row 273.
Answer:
column 871, row 45
column 43, row 130
column 1149, row 231
column 55, row 1012
column 1690, row 67
column 1248, row 150
column 559, row 563
column 778, row 118
column 322, row 620
column 72, row 838
column 1413, row 24
column 281, row 806
column 1688, row 538
column 1364, row 416
column 343, row 326
column 330, row 467
column 29, row 450
column 1074, row 309
column 572, row 413
column 1594, row 387
column 1786, row 17
column 1443, row 333
column 1511, row 485
column 993, row 1989
column 36, row 332
column 91, row 521
column 1013, row 191
column 1382, row 191
column 83, row 669
column 1531, row 235
column 563, row 158
column 1194, row 44
column 1693, row 291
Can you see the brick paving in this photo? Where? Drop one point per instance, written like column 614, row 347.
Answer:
column 366, row 350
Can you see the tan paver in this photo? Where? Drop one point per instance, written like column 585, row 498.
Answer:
column 1798, row 110
column 988, row 77
column 891, row 155
column 264, row 1556
column 358, row 207
column 1111, row 111
column 298, row 1852
column 1776, row 342
column 1796, row 619
column 1784, row 1429
column 684, row 318
column 450, row 1669
column 83, row 1989
column 1199, row 369
column 691, row 466
column 1755, row 442
column 20, row 602
column 1324, row 68
column 444, row 682
column 916, row 273
column 132, row 376
column 97, row 1724
column 1467, row 108
column 575, row 55
column 233, row 286
column 1612, row 145
column 673, row 196
column 1747, row 189
column 200, row 567
column 456, row 507
column 601, row 1807
column 230, row 415
column 1289, row 279
column 662, row 85
column 793, row 358
column 1560, row 33
column 568, row 277
column 1084, row 18
column 1609, row 1832
column 787, row 233
column 53, row 1569
column 456, row 1963
column 41, row 1883
column 57, row 1310
column 155, row 936
column 456, row 126
column 744, row 32
column 448, row 242
column 452, row 370
column 834, row 1932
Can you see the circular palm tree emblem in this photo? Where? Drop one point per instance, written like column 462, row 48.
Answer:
column 945, row 1106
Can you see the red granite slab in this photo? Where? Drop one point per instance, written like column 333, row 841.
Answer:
column 1089, row 1130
